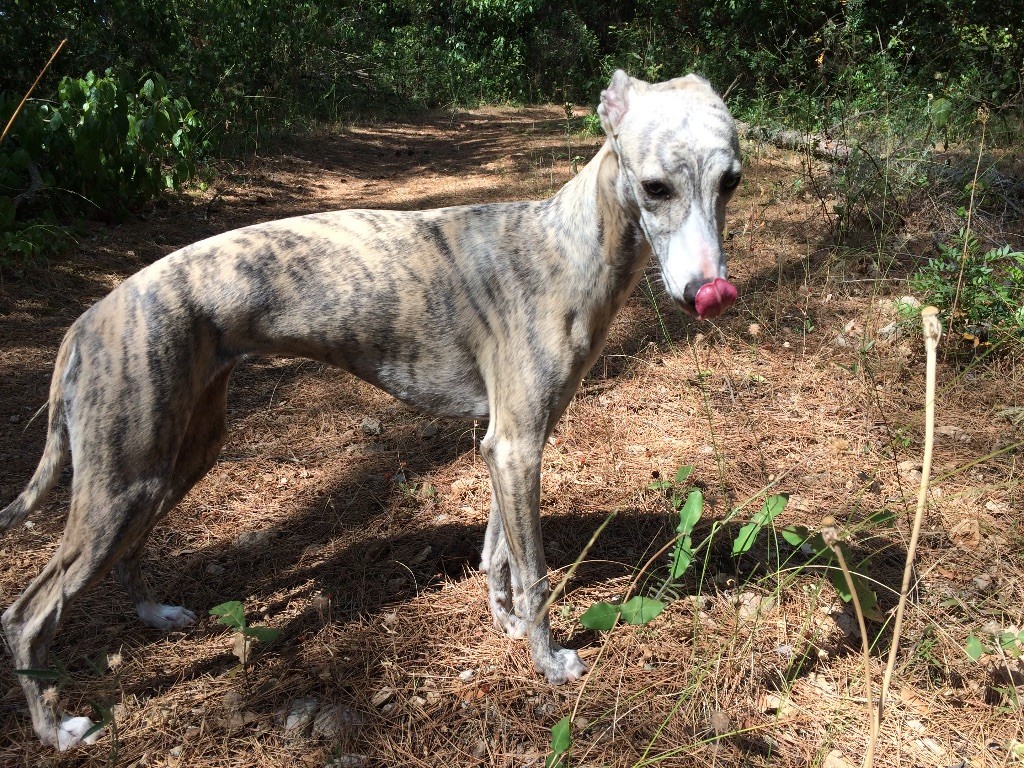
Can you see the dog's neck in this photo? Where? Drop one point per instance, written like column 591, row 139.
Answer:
column 596, row 201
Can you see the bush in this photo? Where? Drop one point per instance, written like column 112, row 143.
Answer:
column 102, row 147
column 105, row 146
column 980, row 295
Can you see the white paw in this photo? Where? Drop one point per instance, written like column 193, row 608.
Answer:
column 161, row 616
column 561, row 666
column 510, row 624
column 71, row 732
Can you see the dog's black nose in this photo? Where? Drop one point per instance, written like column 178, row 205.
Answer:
column 691, row 289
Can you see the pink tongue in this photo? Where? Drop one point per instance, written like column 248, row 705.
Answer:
column 714, row 298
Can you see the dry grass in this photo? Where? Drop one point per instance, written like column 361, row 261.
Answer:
column 372, row 580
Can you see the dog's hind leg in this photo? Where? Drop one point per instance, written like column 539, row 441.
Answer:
column 100, row 527
column 204, row 437
column 513, row 451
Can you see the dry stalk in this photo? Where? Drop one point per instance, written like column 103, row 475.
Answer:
column 983, row 119
column 560, row 587
column 932, row 331
column 31, row 88
column 830, row 534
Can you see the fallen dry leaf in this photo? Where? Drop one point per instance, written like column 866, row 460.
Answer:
column 836, row 759
column 966, row 533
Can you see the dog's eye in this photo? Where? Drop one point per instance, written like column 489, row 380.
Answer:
column 656, row 190
column 730, row 181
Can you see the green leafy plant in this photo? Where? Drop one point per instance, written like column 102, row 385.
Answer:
column 1004, row 645
column 561, row 740
column 814, row 544
column 1007, row 643
column 748, row 534
column 232, row 614
column 979, row 293
column 640, row 610
column 104, row 144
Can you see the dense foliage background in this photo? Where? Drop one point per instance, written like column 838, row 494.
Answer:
column 233, row 59
column 144, row 89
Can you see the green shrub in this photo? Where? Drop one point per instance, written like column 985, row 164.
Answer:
column 102, row 147
column 105, row 145
column 980, row 295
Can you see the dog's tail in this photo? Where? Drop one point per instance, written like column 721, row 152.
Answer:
column 55, row 453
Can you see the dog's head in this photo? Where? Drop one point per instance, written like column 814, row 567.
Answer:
column 679, row 160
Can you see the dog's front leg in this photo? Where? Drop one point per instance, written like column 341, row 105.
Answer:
column 496, row 564
column 514, row 553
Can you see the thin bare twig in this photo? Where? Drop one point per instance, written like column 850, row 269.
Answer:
column 983, row 119
column 31, row 88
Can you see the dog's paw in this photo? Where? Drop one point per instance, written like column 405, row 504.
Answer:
column 561, row 666
column 72, row 731
column 161, row 616
column 510, row 624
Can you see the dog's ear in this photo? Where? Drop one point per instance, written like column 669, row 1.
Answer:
column 615, row 101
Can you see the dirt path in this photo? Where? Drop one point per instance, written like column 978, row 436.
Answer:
column 354, row 525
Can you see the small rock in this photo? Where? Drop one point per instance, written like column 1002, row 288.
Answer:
column 331, row 720
column 719, row 722
column 910, row 470
column 750, row 605
column 466, row 675
column 215, row 569
column 299, row 720
column 785, row 651
column 252, row 539
column 846, row 624
column 463, row 485
column 841, row 341
column 14, row 419
column 236, row 721
column 931, row 745
column 953, row 433
column 770, row 701
column 836, row 759
column 479, row 750
column 371, row 426
column 996, row 508
column 889, row 331
column 383, row 696
column 346, row 761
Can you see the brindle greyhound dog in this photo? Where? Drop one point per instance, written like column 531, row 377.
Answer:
column 487, row 311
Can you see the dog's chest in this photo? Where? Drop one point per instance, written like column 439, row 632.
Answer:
column 434, row 387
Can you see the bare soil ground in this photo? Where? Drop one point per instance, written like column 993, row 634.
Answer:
column 362, row 546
